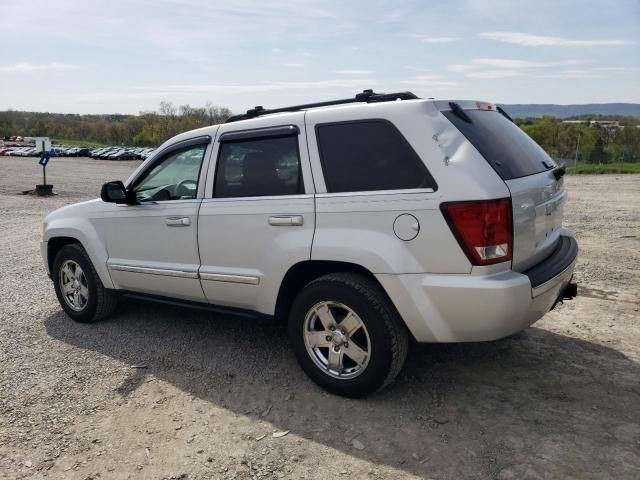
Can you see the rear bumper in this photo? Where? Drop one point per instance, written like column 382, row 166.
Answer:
column 470, row 308
column 562, row 257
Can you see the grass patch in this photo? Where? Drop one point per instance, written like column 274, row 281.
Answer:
column 584, row 169
column 78, row 143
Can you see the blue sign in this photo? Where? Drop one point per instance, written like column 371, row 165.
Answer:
column 44, row 159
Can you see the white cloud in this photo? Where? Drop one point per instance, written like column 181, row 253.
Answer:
column 430, row 81
column 617, row 69
column 460, row 67
column 427, row 39
column 353, row 72
column 573, row 73
column 294, row 65
column 234, row 95
column 529, row 40
column 25, row 67
column 504, row 67
column 230, row 88
column 578, row 73
column 493, row 74
column 518, row 64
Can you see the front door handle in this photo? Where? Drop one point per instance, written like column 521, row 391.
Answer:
column 286, row 220
column 177, row 221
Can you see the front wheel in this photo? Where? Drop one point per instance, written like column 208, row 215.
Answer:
column 346, row 334
column 78, row 286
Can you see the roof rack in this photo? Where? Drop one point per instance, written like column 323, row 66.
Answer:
column 367, row 96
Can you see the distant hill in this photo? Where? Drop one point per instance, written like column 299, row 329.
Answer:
column 564, row 111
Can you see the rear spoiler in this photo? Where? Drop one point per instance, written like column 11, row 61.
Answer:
column 559, row 171
column 458, row 107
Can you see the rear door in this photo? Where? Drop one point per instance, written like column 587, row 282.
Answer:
column 537, row 196
column 259, row 216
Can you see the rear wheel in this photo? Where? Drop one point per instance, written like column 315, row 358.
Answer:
column 78, row 286
column 347, row 335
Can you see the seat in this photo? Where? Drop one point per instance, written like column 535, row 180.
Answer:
column 259, row 175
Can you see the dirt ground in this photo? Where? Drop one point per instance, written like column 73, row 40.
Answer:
column 559, row 400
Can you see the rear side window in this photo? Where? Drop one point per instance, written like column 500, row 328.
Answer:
column 260, row 167
column 369, row 155
column 510, row 151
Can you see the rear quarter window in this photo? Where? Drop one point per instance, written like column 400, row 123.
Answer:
column 369, row 155
column 510, row 151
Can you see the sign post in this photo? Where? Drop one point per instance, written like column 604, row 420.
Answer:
column 44, row 159
column 44, row 145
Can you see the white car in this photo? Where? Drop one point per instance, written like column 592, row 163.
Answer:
column 361, row 222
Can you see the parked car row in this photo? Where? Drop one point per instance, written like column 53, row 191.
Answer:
column 29, row 151
column 107, row 153
column 121, row 153
column 60, row 151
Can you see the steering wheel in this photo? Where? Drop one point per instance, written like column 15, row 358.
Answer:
column 190, row 191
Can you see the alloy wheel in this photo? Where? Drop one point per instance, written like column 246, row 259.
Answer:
column 73, row 285
column 337, row 340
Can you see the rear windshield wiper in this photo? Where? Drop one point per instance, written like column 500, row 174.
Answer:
column 459, row 112
column 504, row 114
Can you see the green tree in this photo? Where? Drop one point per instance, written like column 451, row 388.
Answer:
column 147, row 128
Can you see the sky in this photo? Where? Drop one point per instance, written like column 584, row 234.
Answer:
column 126, row 56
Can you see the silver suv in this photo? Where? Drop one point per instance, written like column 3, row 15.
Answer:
column 362, row 223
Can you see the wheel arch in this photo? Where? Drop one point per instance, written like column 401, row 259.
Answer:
column 57, row 238
column 300, row 274
column 54, row 245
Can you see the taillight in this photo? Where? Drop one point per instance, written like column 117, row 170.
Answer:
column 483, row 229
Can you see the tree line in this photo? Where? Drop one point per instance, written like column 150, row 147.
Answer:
column 149, row 128
column 564, row 141
column 584, row 142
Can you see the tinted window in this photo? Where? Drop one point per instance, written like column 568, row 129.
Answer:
column 370, row 155
column 262, row 167
column 174, row 177
column 510, row 151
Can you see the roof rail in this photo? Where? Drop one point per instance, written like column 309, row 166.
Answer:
column 367, row 96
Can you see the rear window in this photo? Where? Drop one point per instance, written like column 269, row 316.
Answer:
column 510, row 151
column 369, row 155
column 259, row 167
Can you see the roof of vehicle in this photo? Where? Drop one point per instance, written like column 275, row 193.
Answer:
column 367, row 96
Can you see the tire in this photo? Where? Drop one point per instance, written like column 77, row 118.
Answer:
column 371, row 345
column 94, row 302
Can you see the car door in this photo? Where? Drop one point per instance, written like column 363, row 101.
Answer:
column 152, row 246
column 259, row 218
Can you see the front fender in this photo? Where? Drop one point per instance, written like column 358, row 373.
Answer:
column 82, row 230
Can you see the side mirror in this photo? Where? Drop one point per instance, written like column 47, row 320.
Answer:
column 114, row 192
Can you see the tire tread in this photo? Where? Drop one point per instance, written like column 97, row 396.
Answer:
column 106, row 301
column 381, row 303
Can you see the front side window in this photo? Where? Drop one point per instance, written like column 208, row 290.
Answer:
column 174, row 177
column 369, row 155
column 259, row 167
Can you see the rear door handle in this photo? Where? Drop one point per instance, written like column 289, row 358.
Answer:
column 286, row 220
column 177, row 221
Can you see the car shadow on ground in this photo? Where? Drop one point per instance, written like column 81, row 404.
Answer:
column 537, row 398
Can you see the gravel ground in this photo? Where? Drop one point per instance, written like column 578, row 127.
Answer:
column 559, row 400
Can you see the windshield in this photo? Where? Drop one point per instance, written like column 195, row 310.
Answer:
column 510, row 151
